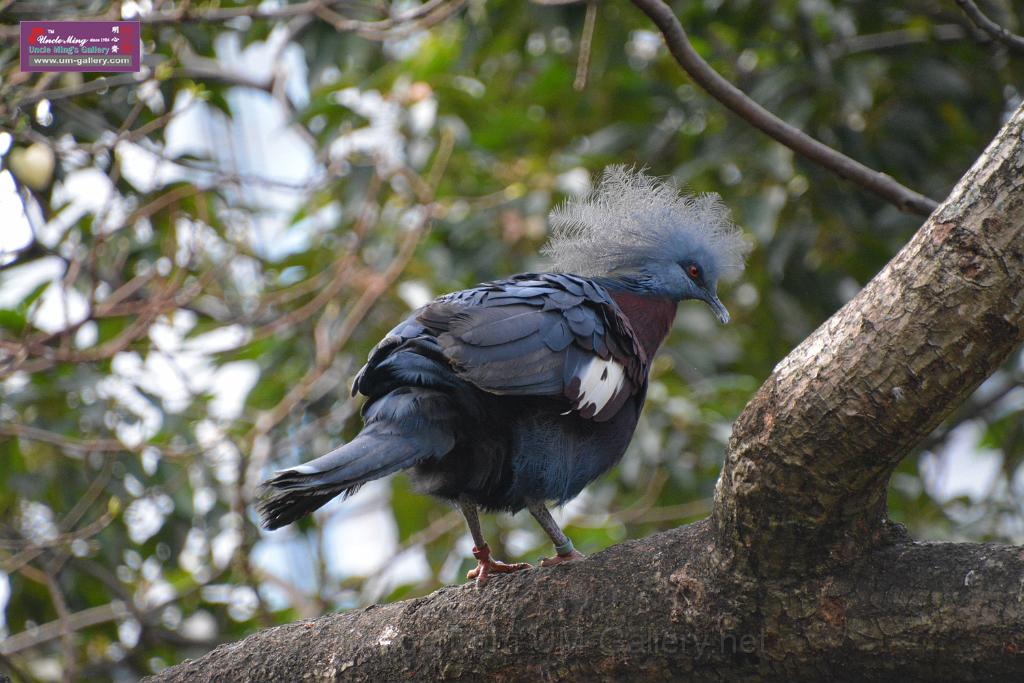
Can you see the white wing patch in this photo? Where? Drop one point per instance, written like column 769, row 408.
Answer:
column 599, row 381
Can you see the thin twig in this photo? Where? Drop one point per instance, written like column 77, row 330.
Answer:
column 172, row 296
column 358, row 311
column 52, row 630
column 586, row 39
column 101, row 614
column 67, row 642
column 981, row 20
column 65, row 442
column 342, row 271
column 376, row 287
column 435, row 530
column 261, row 11
column 23, row 557
column 736, row 100
column 891, row 40
column 81, row 89
column 398, row 26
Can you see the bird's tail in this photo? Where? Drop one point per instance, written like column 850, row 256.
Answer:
column 404, row 427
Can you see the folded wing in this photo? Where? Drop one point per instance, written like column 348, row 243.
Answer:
column 551, row 335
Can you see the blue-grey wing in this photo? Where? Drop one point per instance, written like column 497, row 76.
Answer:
column 547, row 335
column 408, row 355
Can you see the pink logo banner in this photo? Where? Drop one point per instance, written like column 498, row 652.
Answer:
column 80, row 46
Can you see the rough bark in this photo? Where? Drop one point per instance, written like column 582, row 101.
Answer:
column 809, row 462
column 797, row 575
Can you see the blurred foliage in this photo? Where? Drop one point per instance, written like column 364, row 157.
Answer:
column 223, row 305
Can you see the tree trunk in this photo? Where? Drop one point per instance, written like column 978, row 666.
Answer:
column 797, row 575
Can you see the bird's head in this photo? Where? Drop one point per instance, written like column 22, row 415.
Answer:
column 639, row 233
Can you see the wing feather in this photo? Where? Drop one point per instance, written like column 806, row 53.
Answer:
column 550, row 335
column 494, row 326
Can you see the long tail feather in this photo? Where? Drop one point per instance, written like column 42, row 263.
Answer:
column 403, row 428
column 296, row 492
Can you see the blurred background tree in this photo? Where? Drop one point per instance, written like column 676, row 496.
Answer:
column 195, row 260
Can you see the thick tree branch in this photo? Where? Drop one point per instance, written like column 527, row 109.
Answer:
column 795, row 576
column 981, row 20
column 653, row 610
column 812, row 453
column 800, row 142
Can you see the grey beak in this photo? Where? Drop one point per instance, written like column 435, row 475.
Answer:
column 718, row 308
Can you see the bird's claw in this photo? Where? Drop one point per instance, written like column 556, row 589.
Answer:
column 486, row 566
column 560, row 559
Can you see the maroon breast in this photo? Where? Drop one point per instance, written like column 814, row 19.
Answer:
column 650, row 317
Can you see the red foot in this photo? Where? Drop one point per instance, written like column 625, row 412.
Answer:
column 486, row 566
column 559, row 559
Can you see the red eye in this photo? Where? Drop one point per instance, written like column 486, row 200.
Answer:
column 693, row 271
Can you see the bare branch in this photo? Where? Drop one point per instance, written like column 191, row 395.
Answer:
column 89, row 86
column 398, row 26
column 417, row 18
column 67, row 643
column 891, row 40
column 732, row 97
column 342, row 271
column 421, row 18
column 586, row 39
column 53, row 630
column 188, row 14
column 981, row 20
column 374, row 289
column 65, row 442
column 18, row 561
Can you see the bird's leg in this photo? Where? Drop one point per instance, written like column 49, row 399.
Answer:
column 563, row 546
column 485, row 566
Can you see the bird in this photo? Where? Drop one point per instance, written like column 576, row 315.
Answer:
column 517, row 393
